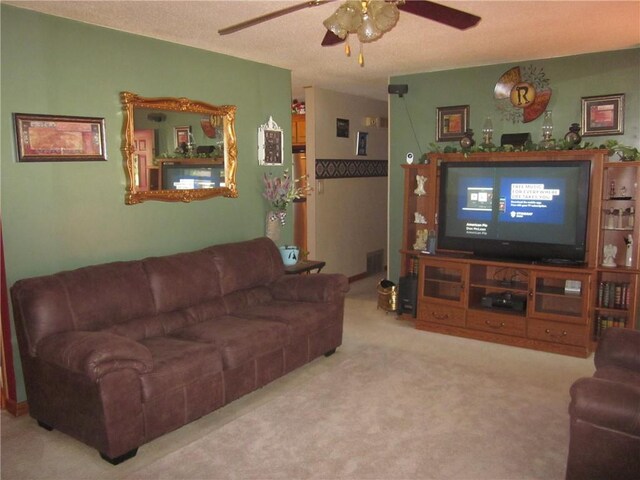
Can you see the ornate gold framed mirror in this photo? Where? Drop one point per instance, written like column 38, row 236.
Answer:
column 177, row 149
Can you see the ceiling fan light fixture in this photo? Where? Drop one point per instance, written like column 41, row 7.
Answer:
column 346, row 19
column 333, row 25
column 384, row 14
column 368, row 31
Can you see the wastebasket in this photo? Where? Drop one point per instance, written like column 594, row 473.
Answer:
column 387, row 296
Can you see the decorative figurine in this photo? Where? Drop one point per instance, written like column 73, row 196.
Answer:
column 420, row 188
column 610, row 252
column 611, row 217
column 573, row 135
column 419, row 218
column 467, row 140
column 421, row 239
column 628, row 259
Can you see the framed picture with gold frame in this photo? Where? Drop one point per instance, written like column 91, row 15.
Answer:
column 451, row 122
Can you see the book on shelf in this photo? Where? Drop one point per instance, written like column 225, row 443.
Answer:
column 606, row 321
column 614, row 295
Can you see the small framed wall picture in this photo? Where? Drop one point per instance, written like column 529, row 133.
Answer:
column 361, row 144
column 181, row 136
column 270, row 144
column 59, row 138
column 603, row 115
column 451, row 122
column 342, row 127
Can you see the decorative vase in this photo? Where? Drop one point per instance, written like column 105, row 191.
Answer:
column 290, row 254
column 275, row 222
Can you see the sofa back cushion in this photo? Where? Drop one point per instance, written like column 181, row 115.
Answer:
column 247, row 264
column 182, row 280
column 89, row 298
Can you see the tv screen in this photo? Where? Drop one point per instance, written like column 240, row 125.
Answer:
column 516, row 210
column 190, row 177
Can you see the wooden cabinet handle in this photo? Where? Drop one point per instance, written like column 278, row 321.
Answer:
column 440, row 316
column 488, row 323
column 564, row 332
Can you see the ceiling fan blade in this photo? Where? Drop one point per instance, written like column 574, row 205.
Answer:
column 331, row 38
column 271, row 16
column 440, row 13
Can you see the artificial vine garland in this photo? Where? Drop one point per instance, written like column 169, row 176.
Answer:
column 626, row 154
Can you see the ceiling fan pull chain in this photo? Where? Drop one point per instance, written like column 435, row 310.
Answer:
column 361, row 56
column 347, row 47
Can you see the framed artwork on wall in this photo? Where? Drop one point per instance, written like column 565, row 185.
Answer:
column 342, row 127
column 270, row 144
column 451, row 122
column 59, row 138
column 603, row 115
column 182, row 136
column 361, row 144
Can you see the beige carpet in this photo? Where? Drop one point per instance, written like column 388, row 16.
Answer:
column 393, row 403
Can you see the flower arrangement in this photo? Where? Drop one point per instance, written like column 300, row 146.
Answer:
column 280, row 191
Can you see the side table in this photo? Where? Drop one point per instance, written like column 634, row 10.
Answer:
column 304, row 266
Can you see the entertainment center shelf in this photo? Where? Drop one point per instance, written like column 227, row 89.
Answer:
column 554, row 307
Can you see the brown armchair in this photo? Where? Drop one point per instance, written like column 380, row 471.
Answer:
column 605, row 412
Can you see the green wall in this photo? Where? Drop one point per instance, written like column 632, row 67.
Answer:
column 570, row 79
column 59, row 216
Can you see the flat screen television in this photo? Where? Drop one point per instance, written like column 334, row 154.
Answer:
column 189, row 177
column 522, row 210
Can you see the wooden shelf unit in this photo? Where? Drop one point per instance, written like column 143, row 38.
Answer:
column 563, row 309
column 298, row 129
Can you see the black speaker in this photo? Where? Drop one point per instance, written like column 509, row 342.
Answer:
column 515, row 139
column 408, row 295
column 399, row 89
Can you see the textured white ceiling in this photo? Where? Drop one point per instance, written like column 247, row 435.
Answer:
column 510, row 31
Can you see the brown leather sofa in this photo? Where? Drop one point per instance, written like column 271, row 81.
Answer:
column 605, row 412
column 121, row 353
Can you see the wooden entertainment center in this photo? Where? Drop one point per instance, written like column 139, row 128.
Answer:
column 555, row 308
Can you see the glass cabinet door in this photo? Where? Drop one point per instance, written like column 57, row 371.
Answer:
column 444, row 282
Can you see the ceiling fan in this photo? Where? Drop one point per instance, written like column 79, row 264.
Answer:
column 368, row 19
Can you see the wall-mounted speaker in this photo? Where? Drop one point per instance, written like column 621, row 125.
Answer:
column 157, row 117
column 398, row 89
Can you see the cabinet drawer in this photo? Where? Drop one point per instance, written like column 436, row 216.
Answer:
column 504, row 324
column 441, row 314
column 558, row 332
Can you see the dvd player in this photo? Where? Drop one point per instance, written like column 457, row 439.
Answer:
column 505, row 301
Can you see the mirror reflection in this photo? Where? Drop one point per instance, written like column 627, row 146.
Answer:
column 177, row 149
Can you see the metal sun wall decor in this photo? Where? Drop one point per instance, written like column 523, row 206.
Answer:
column 522, row 94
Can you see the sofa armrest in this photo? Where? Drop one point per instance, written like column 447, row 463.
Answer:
column 607, row 404
column 94, row 354
column 619, row 347
column 319, row 287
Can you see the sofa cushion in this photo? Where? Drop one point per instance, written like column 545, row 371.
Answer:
column 238, row 339
column 242, row 299
column 181, row 280
column 302, row 318
column 247, row 264
column 176, row 363
column 89, row 298
column 153, row 326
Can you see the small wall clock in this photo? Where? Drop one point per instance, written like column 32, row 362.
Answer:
column 270, row 144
